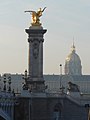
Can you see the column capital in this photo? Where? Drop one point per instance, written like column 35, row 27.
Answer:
column 31, row 31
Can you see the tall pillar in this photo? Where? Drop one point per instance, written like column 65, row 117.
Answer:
column 35, row 65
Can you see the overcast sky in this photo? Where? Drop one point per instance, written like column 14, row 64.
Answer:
column 63, row 19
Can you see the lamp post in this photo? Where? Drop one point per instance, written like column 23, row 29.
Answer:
column 9, row 82
column 60, row 75
column 61, row 86
column 25, row 77
column 4, row 82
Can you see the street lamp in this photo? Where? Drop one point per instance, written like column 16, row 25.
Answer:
column 9, row 82
column 25, row 77
column 4, row 82
column 60, row 74
column 61, row 86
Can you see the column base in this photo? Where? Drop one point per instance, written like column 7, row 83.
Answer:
column 36, row 86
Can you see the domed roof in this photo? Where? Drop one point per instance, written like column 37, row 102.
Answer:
column 73, row 56
column 73, row 63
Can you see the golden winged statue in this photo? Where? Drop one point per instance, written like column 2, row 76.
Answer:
column 36, row 16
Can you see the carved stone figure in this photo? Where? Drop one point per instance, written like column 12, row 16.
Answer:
column 73, row 87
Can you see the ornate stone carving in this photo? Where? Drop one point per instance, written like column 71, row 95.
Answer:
column 73, row 87
column 35, row 49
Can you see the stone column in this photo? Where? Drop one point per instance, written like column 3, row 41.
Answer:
column 35, row 65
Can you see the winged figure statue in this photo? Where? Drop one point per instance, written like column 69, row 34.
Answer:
column 36, row 16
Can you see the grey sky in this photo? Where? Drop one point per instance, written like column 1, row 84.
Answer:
column 63, row 19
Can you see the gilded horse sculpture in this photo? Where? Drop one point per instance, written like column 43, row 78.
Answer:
column 36, row 16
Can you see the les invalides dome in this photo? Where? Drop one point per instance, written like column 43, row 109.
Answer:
column 73, row 63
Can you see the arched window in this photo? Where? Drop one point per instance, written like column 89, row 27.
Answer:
column 57, row 112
